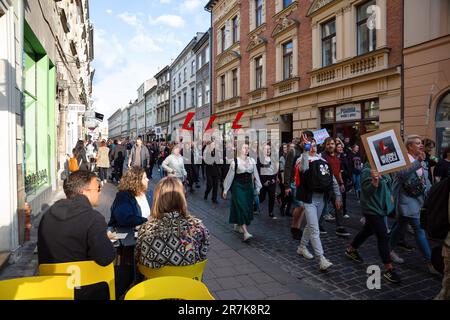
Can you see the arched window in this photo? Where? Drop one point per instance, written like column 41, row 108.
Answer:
column 443, row 123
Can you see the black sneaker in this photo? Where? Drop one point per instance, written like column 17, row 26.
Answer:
column 322, row 230
column 354, row 255
column 340, row 231
column 405, row 246
column 392, row 276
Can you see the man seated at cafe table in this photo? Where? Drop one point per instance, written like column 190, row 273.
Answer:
column 71, row 230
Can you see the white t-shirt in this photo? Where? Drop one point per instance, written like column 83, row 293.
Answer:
column 420, row 171
column 143, row 204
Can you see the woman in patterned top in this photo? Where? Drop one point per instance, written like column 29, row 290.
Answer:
column 172, row 236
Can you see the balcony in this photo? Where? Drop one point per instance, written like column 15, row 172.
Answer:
column 231, row 103
column 287, row 86
column 258, row 94
column 355, row 67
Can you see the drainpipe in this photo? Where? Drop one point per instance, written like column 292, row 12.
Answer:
column 402, row 74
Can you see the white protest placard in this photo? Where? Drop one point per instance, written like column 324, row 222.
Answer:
column 321, row 135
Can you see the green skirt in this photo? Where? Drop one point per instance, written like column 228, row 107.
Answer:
column 241, row 211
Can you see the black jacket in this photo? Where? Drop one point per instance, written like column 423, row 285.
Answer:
column 212, row 170
column 73, row 231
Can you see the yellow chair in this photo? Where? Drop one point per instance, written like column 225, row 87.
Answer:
column 37, row 288
column 194, row 271
column 89, row 273
column 169, row 288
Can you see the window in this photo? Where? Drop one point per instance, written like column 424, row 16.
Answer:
column 329, row 43
column 443, row 123
column 207, row 54
column 174, row 106
column 259, row 72
column 185, row 74
column 192, row 68
column 222, row 38
column 235, row 82
column 366, row 32
column 207, row 93
column 193, row 97
column 258, row 9
column 174, row 82
column 287, row 60
column 179, row 80
column 286, row 3
column 184, row 100
column 200, row 96
column 222, row 87
column 179, row 103
column 235, row 29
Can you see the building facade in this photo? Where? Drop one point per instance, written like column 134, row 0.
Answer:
column 293, row 65
column 163, row 103
column 133, row 119
column 125, row 122
column 203, row 79
column 427, row 70
column 115, row 125
column 150, row 98
column 183, row 93
column 45, row 52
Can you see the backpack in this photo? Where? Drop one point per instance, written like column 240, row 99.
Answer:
column 319, row 177
column 414, row 185
column 73, row 165
column 434, row 214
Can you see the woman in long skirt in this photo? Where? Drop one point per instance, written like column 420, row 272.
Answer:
column 240, row 179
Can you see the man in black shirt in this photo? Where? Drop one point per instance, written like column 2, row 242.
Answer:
column 73, row 231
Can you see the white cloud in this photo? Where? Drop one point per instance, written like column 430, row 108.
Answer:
column 109, row 11
column 164, row 1
column 170, row 20
column 143, row 43
column 130, row 19
column 190, row 5
column 109, row 52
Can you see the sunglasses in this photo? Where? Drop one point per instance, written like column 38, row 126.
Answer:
column 99, row 189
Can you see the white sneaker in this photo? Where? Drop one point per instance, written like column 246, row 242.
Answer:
column 303, row 251
column 346, row 216
column 238, row 228
column 324, row 264
column 396, row 258
column 328, row 217
column 247, row 236
column 362, row 220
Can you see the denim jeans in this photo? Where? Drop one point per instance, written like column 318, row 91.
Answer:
column 162, row 173
column 313, row 211
column 399, row 231
column 357, row 182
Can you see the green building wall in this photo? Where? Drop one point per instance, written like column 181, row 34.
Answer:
column 40, row 109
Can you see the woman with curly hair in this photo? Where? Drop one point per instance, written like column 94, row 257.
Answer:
column 131, row 206
column 172, row 236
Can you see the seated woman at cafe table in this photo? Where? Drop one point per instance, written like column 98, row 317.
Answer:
column 172, row 236
column 131, row 207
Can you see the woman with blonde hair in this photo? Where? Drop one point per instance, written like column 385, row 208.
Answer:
column 172, row 236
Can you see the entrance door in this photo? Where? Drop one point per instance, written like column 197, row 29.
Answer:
column 350, row 130
column 443, row 124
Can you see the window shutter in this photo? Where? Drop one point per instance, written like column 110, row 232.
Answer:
column 264, row 11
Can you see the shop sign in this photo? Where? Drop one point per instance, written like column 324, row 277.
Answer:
column 348, row 112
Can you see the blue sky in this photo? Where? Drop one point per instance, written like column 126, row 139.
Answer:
column 134, row 39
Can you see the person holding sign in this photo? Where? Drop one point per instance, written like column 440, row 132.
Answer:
column 376, row 204
column 410, row 188
column 316, row 181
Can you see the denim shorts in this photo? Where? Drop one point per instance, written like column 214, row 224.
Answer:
column 295, row 203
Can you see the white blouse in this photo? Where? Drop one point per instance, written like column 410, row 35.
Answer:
column 144, row 205
column 247, row 166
